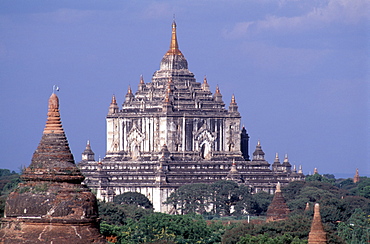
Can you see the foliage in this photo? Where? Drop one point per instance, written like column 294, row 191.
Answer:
column 193, row 198
column 322, row 178
column 356, row 229
column 336, row 206
column 133, row 198
column 165, row 228
column 8, row 182
column 225, row 194
column 119, row 214
column 264, row 239
column 297, row 226
column 223, row 198
column 259, row 203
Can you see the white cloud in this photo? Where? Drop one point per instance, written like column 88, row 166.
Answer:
column 316, row 17
column 283, row 60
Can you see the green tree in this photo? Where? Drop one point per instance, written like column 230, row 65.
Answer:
column 224, row 195
column 8, row 182
column 192, row 198
column 363, row 187
column 322, row 178
column 165, row 228
column 356, row 229
column 259, row 203
column 119, row 214
column 264, row 239
column 133, row 198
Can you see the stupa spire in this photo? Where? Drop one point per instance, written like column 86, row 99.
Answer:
column 174, row 46
column 53, row 156
column 53, row 123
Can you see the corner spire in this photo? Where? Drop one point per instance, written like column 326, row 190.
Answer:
column 174, row 46
column 113, row 107
column 233, row 105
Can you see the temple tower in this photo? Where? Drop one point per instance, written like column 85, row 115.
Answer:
column 51, row 205
column 317, row 234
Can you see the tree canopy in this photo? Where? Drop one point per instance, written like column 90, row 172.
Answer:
column 133, row 198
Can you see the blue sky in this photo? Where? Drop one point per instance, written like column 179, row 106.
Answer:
column 299, row 70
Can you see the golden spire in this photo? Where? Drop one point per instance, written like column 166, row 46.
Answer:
column 129, row 91
column 53, row 123
column 174, row 46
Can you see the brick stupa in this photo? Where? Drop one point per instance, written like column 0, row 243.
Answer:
column 278, row 209
column 317, row 234
column 51, row 205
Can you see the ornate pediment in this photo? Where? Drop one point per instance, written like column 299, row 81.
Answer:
column 135, row 135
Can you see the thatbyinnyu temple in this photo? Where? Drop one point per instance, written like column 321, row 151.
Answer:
column 174, row 131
